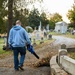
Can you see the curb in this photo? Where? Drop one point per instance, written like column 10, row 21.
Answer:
column 55, row 68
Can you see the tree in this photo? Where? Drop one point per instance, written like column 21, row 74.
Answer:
column 56, row 17
column 71, row 16
column 22, row 15
column 3, row 13
column 44, row 19
column 9, row 5
column 10, row 14
column 34, row 18
column 52, row 24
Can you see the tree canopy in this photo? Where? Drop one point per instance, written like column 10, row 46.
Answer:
column 56, row 17
column 12, row 10
column 71, row 14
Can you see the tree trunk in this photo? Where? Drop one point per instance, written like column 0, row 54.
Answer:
column 10, row 17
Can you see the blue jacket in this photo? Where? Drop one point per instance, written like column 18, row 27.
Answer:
column 18, row 37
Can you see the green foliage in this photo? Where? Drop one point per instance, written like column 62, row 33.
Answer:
column 2, row 52
column 29, row 30
column 52, row 24
column 56, row 17
column 72, row 55
column 22, row 15
column 24, row 3
column 16, row 10
column 71, row 14
column 2, row 3
column 34, row 18
column 44, row 19
column 3, row 13
column 1, row 42
column 71, row 25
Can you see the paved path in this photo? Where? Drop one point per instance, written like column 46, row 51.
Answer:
column 69, row 42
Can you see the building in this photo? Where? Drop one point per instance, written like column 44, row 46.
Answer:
column 61, row 27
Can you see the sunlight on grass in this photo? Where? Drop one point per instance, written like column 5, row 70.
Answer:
column 72, row 55
column 54, row 33
column 1, row 40
column 2, row 52
column 43, row 44
column 70, row 36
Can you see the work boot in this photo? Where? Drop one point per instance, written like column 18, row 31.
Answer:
column 21, row 67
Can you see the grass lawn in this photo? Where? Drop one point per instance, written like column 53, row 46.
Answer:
column 2, row 52
column 69, row 35
column 1, row 40
column 72, row 55
column 43, row 44
column 65, row 35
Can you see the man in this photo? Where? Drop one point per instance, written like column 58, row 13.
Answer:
column 18, row 38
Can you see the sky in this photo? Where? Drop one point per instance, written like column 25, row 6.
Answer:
column 60, row 6
column 53, row 6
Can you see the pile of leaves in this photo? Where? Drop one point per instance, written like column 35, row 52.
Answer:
column 43, row 62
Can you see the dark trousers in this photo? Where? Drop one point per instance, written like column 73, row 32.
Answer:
column 16, row 52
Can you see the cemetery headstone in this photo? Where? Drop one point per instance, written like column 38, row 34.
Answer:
column 42, row 40
column 63, row 46
column 49, row 36
column 34, row 42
